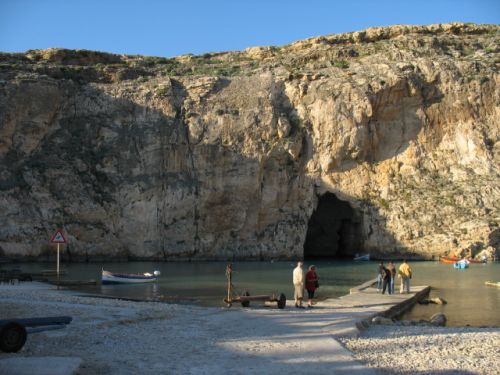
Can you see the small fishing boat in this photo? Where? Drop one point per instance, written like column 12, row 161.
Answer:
column 128, row 278
column 461, row 264
column 492, row 283
column 362, row 257
column 449, row 259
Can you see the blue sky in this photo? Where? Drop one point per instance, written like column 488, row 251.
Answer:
column 170, row 28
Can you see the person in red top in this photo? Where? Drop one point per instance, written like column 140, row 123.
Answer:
column 311, row 284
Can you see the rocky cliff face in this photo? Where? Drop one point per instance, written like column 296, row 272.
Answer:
column 383, row 141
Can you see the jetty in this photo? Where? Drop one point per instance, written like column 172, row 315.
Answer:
column 310, row 335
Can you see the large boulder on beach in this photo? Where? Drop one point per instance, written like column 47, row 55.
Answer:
column 438, row 319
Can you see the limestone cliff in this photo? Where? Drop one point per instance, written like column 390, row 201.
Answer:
column 390, row 136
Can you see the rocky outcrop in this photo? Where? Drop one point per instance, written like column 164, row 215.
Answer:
column 226, row 155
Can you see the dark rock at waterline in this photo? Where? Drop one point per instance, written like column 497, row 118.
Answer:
column 436, row 301
column 438, row 319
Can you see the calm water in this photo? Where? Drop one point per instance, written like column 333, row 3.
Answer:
column 469, row 300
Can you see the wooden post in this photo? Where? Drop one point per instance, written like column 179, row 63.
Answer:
column 229, row 275
column 57, row 265
column 57, row 268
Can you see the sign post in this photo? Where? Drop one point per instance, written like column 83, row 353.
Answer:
column 58, row 238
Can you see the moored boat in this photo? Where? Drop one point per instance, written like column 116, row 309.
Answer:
column 449, row 259
column 492, row 283
column 461, row 264
column 128, row 278
column 362, row 257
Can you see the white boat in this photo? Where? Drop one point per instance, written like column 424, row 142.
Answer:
column 128, row 278
column 362, row 257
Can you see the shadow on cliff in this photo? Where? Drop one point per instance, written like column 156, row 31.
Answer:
column 124, row 180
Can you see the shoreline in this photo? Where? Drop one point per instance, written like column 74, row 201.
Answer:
column 113, row 336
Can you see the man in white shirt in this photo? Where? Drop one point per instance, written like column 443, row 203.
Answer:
column 298, row 283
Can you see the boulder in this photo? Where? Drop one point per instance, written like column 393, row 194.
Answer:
column 438, row 319
column 438, row 301
column 382, row 320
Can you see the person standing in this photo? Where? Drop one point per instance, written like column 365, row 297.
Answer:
column 386, row 281
column 392, row 268
column 405, row 273
column 312, row 283
column 298, row 284
column 380, row 276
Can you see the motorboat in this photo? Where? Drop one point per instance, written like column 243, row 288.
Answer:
column 362, row 257
column 450, row 259
column 461, row 264
column 128, row 278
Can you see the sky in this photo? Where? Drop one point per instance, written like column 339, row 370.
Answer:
column 170, row 28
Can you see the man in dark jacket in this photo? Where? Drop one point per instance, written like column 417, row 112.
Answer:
column 386, row 280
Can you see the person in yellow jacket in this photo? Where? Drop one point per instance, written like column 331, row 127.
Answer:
column 405, row 274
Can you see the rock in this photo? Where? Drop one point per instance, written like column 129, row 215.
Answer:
column 227, row 155
column 487, row 254
column 438, row 301
column 382, row 320
column 438, row 319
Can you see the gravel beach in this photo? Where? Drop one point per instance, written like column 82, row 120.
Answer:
column 428, row 350
column 123, row 337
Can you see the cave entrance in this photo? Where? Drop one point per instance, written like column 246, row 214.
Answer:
column 334, row 230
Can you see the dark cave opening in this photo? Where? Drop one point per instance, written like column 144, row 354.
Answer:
column 334, row 230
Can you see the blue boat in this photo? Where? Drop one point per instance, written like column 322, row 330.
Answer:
column 461, row 264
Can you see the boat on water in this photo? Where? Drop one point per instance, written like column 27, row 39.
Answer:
column 362, row 257
column 449, row 259
column 492, row 283
column 461, row 264
column 128, row 278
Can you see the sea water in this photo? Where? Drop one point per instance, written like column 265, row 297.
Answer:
column 470, row 301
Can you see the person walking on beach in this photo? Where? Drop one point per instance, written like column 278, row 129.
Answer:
column 298, row 284
column 312, row 284
column 380, row 276
column 386, row 281
column 405, row 274
column 392, row 268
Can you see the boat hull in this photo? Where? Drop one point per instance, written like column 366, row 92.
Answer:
column 120, row 278
column 446, row 259
column 461, row 266
column 492, row 283
column 362, row 257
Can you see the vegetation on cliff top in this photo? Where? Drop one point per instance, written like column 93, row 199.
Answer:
column 320, row 54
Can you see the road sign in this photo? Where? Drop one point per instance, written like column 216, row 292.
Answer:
column 58, row 238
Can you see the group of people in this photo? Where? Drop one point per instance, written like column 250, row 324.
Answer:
column 386, row 277
column 385, row 281
column 311, row 282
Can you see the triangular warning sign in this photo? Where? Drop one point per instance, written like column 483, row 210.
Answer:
column 58, row 238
